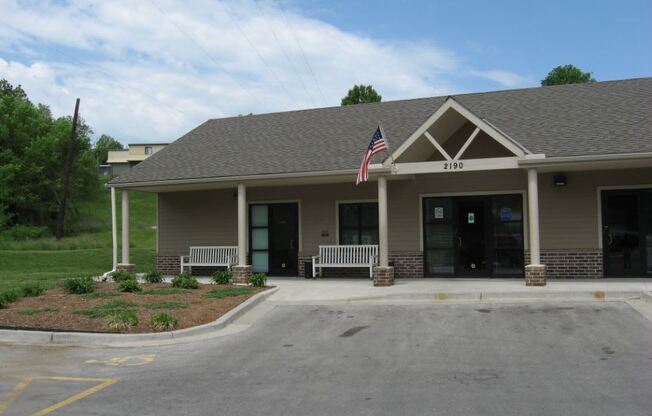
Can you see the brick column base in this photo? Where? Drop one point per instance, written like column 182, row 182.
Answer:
column 241, row 274
column 535, row 275
column 124, row 267
column 383, row 276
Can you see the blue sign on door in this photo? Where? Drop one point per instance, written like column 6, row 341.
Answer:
column 505, row 214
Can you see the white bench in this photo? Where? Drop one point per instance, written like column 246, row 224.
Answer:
column 225, row 256
column 346, row 256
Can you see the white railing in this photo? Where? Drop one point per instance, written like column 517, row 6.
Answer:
column 210, row 256
column 345, row 256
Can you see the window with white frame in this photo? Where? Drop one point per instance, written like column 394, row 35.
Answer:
column 358, row 223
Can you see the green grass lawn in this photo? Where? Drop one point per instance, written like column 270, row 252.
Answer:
column 49, row 261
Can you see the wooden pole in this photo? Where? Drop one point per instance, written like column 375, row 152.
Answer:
column 66, row 174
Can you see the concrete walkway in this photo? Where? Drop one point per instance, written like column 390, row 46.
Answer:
column 297, row 290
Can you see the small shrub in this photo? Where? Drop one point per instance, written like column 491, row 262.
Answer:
column 122, row 320
column 79, row 285
column 258, row 279
column 163, row 321
column 226, row 292
column 129, row 285
column 154, row 277
column 32, row 289
column 7, row 297
column 122, row 275
column 185, row 281
column 222, row 277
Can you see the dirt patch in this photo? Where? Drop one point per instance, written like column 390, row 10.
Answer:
column 57, row 310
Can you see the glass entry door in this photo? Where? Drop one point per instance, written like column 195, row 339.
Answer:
column 274, row 238
column 473, row 236
column 627, row 232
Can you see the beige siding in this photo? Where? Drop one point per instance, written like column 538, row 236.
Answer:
column 196, row 218
column 569, row 215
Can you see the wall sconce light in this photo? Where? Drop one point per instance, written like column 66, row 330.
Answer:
column 560, row 180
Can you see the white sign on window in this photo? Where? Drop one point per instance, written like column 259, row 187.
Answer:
column 471, row 217
column 439, row 213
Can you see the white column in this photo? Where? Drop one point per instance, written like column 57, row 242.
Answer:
column 125, row 227
column 383, row 239
column 533, row 210
column 114, row 229
column 242, row 225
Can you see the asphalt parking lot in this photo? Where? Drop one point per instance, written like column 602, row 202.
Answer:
column 588, row 358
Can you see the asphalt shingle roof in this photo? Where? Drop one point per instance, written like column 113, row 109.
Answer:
column 581, row 119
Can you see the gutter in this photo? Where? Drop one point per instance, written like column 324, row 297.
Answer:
column 374, row 168
column 563, row 160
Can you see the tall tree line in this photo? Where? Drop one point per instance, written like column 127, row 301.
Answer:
column 33, row 150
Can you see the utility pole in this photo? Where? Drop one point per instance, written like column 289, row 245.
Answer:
column 66, row 174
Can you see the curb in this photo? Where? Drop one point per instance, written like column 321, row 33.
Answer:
column 80, row 338
column 495, row 296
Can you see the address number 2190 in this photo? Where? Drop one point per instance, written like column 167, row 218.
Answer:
column 453, row 165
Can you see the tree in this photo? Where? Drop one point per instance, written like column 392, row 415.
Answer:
column 360, row 94
column 33, row 150
column 102, row 147
column 567, row 74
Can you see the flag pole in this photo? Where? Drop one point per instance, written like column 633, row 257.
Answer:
column 382, row 130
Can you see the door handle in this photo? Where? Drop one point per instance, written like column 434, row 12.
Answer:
column 611, row 239
column 459, row 241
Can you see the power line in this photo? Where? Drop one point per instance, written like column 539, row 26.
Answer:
column 303, row 54
column 253, row 46
column 206, row 53
column 284, row 51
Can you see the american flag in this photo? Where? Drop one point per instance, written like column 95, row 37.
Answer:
column 376, row 145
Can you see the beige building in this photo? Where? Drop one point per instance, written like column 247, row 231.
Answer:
column 122, row 160
column 549, row 182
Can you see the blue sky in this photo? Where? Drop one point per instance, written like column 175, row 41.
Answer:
column 154, row 69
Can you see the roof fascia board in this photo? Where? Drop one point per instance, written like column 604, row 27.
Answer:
column 374, row 168
column 564, row 160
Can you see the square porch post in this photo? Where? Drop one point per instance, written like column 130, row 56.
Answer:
column 383, row 274
column 125, row 265
column 535, row 272
column 242, row 272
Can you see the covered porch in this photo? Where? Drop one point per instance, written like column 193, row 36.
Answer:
column 458, row 198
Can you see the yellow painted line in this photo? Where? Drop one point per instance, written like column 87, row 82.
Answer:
column 105, row 382
column 15, row 392
column 126, row 361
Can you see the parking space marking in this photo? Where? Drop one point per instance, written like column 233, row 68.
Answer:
column 104, row 383
column 126, row 361
column 15, row 392
column 25, row 381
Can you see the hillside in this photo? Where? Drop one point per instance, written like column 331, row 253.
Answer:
column 89, row 250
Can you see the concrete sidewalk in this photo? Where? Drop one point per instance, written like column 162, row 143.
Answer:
column 297, row 290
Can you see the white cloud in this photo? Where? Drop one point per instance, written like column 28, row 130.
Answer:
column 506, row 78
column 152, row 70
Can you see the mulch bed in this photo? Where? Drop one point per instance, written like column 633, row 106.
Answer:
column 56, row 308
